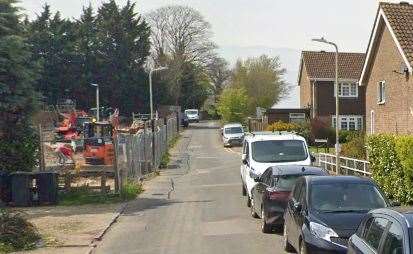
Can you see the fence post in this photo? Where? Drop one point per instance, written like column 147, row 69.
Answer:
column 153, row 144
column 42, row 164
column 115, row 163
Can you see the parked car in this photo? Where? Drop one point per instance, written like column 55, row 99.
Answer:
column 272, row 191
column 232, row 134
column 262, row 150
column 384, row 231
column 324, row 211
column 193, row 115
column 184, row 121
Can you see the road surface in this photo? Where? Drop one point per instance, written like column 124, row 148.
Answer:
column 205, row 212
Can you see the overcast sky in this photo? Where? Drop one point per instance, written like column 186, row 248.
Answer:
column 270, row 23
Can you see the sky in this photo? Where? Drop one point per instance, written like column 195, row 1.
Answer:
column 263, row 24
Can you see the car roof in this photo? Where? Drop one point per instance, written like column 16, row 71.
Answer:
column 338, row 179
column 229, row 125
column 402, row 214
column 298, row 170
column 269, row 135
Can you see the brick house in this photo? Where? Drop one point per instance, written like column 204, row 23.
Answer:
column 316, row 80
column 387, row 70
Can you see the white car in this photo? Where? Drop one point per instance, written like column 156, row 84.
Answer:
column 232, row 134
column 192, row 114
column 262, row 150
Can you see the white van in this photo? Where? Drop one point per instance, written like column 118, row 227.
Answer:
column 262, row 150
column 193, row 115
column 232, row 134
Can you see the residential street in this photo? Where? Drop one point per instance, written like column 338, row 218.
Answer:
column 205, row 213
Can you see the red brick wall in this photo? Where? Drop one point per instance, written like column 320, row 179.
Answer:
column 394, row 116
column 305, row 89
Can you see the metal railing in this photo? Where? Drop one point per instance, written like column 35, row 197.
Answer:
column 348, row 166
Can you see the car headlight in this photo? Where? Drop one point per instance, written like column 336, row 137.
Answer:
column 321, row 231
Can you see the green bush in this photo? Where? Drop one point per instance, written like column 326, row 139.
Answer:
column 302, row 129
column 390, row 159
column 355, row 146
column 16, row 233
column 130, row 190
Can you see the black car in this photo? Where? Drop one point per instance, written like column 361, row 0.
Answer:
column 384, row 231
column 324, row 211
column 184, row 121
column 270, row 194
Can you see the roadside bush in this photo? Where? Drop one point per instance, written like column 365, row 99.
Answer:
column 355, row 146
column 302, row 129
column 130, row 190
column 390, row 166
column 16, row 233
column 320, row 130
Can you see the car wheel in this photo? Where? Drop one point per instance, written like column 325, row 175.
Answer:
column 244, row 191
column 265, row 228
column 303, row 248
column 287, row 246
column 253, row 213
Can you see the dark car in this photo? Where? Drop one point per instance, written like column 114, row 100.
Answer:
column 270, row 194
column 324, row 211
column 384, row 231
column 184, row 121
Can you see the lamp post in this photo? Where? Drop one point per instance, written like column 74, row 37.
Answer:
column 337, row 146
column 150, row 86
column 97, row 102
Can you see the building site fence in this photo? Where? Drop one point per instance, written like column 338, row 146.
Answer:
column 257, row 124
column 140, row 154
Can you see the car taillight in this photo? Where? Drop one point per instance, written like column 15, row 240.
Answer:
column 279, row 195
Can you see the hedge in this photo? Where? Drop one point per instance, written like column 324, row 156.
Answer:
column 391, row 164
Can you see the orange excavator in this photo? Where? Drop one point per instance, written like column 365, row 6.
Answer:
column 98, row 141
column 71, row 126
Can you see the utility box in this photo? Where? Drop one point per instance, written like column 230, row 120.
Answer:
column 47, row 187
column 23, row 189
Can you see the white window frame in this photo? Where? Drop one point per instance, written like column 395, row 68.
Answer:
column 381, row 92
column 349, row 85
column 296, row 116
column 357, row 120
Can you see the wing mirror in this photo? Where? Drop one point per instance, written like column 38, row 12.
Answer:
column 313, row 158
column 244, row 159
column 256, row 177
column 297, row 207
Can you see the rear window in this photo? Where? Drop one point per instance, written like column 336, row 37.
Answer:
column 191, row 112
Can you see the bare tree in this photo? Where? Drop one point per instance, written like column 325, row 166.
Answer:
column 219, row 73
column 182, row 34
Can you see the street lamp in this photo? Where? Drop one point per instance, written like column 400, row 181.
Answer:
column 150, row 86
column 322, row 40
column 97, row 101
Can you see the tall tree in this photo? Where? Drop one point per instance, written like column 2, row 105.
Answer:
column 219, row 73
column 233, row 104
column 17, row 97
column 262, row 78
column 180, row 36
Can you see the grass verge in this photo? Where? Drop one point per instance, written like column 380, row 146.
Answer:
column 166, row 158
column 83, row 195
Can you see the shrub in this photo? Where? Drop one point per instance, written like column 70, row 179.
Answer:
column 321, row 130
column 282, row 126
column 16, row 233
column 387, row 154
column 355, row 146
column 130, row 190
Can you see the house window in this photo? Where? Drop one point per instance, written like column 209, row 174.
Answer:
column 347, row 90
column 297, row 117
column 381, row 92
column 350, row 123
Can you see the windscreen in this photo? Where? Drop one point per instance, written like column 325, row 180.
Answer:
column 271, row 151
column 345, row 197
column 233, row 130
column 191, row 112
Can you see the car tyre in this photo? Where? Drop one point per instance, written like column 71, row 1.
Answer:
column 244, row 191
column 287, row 246
column 265, row 228
column 253, row 213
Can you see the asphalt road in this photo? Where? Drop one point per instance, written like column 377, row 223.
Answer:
column 205, row 212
